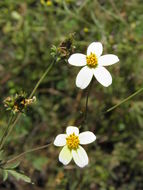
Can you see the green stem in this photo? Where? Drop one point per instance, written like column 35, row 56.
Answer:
column 41, row 79
column 86, row 103
column 30, row 96
column 10, row 129
column 28, row 151
column 125, row 100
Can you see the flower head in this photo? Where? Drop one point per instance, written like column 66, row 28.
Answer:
column 72, row 149
column 93, row 64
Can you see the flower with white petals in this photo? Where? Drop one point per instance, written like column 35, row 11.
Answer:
column 93, row 64
column 72, row 149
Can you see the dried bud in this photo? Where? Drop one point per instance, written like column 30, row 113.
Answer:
column 66, row 47
column 30, row 101
column 18, row 102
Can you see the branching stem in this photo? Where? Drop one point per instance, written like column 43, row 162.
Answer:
column 11, row 125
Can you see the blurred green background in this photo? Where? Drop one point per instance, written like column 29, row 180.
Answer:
column 28, row 29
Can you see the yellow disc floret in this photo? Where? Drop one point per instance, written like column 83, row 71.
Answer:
column 72, row 141
column 91, row 60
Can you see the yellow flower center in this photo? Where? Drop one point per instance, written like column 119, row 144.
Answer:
column 72, row 141
column 91, row 60
column 49, row 3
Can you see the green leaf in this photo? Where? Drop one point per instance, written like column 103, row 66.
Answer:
column 12, row 166
column 19, row 176
column 39, row 163
column 5, row 175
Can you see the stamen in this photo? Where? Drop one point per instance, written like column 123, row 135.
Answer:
column 72, row 141
column 92, row 60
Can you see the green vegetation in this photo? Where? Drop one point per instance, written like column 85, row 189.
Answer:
column 28, row 31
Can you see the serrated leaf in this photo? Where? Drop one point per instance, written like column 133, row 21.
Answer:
column 19, row 176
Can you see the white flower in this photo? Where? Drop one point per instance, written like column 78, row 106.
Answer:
column 93, row 64
column 72, row 149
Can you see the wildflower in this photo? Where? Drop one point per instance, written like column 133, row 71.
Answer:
column 72, row 149
column 93, row 64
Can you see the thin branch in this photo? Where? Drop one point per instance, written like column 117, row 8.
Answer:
column 26, row 152
column 125, row 100
column 86, row 103
column 42, row 77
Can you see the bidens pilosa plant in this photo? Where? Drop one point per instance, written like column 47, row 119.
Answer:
column 94, row 65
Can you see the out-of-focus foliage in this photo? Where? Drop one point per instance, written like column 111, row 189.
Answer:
column 28, row 29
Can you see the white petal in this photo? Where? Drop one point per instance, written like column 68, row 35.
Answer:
column 71, row 129
column 87, row 137
column 84, row 77
column 60, row 140
column 77, row 59
column 108, row 59
column 80, row 157
column 103, row 76
column 96, row 48
column 65, row 155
